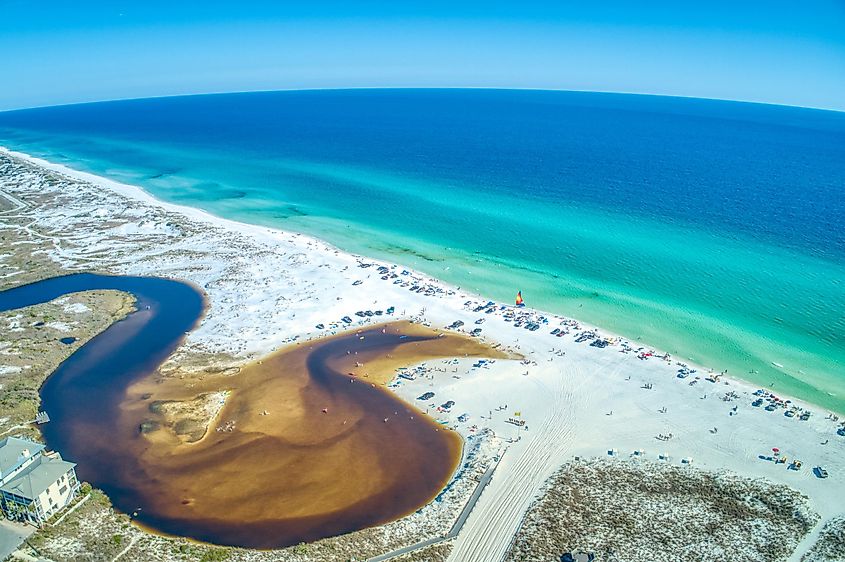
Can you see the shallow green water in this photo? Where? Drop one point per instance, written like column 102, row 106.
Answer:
column 714, row 231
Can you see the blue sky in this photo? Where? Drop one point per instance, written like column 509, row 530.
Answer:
column 776, row 52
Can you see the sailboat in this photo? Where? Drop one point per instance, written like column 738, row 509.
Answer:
column 519, row 301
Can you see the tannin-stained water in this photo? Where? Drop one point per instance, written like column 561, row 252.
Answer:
column 314, row 451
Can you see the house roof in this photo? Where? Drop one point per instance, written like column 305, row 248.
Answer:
column 11, row 449
column 37, row 477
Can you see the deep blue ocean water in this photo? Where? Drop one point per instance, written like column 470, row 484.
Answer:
column 713, row 230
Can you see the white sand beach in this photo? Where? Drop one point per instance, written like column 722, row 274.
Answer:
column 267, row 288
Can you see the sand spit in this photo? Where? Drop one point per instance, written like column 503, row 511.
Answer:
column 579, row 390
column 638, row 510
column 189, row 419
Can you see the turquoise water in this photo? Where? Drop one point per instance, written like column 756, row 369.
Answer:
column 712, row 230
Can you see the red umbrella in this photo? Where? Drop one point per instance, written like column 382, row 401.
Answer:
column 775, row 449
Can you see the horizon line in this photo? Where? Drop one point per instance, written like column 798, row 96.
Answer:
column 497, row 88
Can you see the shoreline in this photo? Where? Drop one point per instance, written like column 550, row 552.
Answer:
column 139, row 194
column 576, row 399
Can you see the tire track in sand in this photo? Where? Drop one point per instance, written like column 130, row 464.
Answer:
column 487, row 534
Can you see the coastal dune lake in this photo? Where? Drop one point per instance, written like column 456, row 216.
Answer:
column 308, row 444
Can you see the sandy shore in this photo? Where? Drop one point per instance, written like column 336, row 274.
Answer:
column 267, row 288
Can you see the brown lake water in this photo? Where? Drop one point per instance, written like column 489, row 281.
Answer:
column 289, row 471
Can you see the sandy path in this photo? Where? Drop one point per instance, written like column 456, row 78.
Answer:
column 487, row 533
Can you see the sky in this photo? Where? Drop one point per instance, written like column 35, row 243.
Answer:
column 790, row 53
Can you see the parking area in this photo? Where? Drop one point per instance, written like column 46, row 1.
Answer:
column 12, row 536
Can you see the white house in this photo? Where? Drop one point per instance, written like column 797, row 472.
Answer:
column 34, row 483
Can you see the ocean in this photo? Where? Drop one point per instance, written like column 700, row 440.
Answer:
column 713, row 230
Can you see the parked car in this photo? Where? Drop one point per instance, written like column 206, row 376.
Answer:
column 820, row 472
